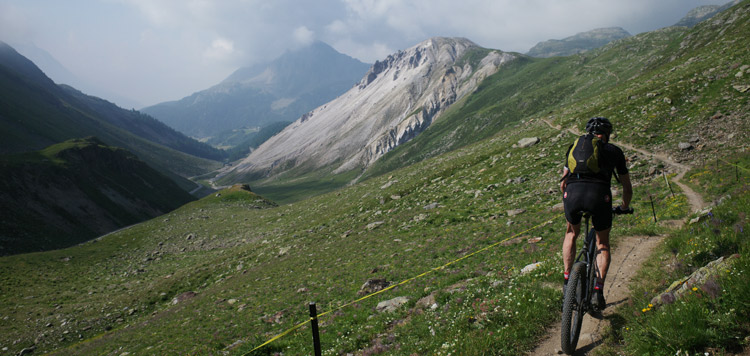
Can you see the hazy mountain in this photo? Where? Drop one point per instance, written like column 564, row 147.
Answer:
column 281, row 90
column 76, row 190
column 701, row 13
column 396, row 100
column 35, row 113
column 61, row 75
column 579, row 43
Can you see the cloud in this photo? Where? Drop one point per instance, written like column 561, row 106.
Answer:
column 14, row 24
column 220, row 49
column 165, row 49
column 303, row 36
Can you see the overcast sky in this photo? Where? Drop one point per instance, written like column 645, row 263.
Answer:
column 150, row 51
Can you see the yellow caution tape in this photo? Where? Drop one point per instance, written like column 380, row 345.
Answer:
column 396, row 285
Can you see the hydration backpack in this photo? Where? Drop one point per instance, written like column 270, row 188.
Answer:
column 584, row 156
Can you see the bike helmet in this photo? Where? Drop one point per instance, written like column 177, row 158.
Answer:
column 599, row 125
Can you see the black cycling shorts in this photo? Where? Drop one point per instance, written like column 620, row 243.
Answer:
column 592, row 197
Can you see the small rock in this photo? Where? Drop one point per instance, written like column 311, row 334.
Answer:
column 684, row 146
column 528, row 142
column 530, row 267
column 391, row 305
column 390, row 183
column 431, row 206
column 373, row 285
column 27, row 351
column 374, row 225
column 427, row 302
column 235, row 345
column 183, row 297
column 515, row 212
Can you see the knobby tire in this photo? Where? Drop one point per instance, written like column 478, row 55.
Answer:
column 573, row 308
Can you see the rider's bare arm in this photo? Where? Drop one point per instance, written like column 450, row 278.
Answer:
column 627, row 191
column 564, row 180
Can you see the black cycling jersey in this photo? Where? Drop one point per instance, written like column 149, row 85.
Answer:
column 612, row 159
column 592, row 192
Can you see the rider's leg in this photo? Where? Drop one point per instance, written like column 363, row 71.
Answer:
column 569, row 245
column 603, row 257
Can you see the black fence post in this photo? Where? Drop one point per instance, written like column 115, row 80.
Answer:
column 314, row 324
column 653, row 210
column 668, row 184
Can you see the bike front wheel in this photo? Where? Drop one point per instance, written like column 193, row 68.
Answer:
column 573, row 308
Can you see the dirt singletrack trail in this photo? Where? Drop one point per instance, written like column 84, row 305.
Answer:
column 627, row 257
column 630, row 254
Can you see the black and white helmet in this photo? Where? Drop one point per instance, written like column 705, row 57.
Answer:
column 599, row 125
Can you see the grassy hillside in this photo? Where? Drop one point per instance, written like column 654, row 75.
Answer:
column 233, row 270
column 76, row 190
column 656, row 87
column 228, row 272
column 36, row 113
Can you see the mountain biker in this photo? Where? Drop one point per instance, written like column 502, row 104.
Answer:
column 591, row 192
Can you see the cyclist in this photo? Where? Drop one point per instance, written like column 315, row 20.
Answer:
column 591, row 192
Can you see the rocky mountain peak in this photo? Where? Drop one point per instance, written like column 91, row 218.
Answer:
column 431, row 50
column 398, row 98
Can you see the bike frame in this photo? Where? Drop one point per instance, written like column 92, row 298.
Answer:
column 587, row 255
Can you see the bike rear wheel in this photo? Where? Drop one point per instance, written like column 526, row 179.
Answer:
column 573, row 308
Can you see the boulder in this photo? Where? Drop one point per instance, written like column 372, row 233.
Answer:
column 704, row 279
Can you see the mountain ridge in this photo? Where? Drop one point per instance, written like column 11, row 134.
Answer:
column 35, row 113
column 255, row 96
column 398, row 98
column 578, row 43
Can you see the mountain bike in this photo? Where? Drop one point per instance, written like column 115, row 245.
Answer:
column 580, row 289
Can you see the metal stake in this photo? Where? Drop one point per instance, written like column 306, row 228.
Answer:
column 314, row 324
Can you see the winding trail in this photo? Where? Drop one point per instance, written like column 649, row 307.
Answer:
column 696, row 200
column 627, row 257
